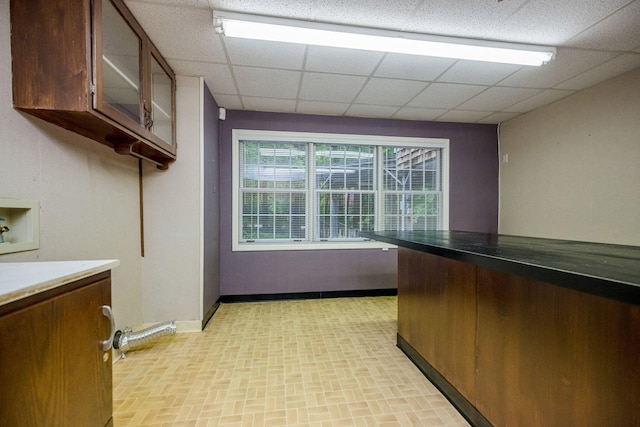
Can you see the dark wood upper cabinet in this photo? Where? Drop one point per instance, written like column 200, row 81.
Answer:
column 88, row 66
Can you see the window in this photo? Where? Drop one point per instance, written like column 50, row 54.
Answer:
column 344, row 192
column 412, row 188
column 314, row 191
column 274, row 191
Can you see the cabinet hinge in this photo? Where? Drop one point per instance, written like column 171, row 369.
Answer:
column 92, row 89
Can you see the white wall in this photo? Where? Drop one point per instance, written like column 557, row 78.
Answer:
column 173, row 221
column 574, row 167
column 89, row 204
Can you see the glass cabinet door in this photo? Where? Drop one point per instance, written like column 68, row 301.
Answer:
column 161, row 102
column 118, row 63
column 134, row 85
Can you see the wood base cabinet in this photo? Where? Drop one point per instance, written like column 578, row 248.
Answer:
column 550, row 356
column 437, row 314
column 54, row 368
column 512, row 351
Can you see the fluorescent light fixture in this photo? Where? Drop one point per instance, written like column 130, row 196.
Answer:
column 312, row 33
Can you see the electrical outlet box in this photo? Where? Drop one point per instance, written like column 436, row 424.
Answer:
column 22, row 217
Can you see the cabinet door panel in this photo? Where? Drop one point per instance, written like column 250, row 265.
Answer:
column 52, row 367
column 162, row 101
column 118, row 65
column 162, row 117
column 436, row 314
column 555, row 356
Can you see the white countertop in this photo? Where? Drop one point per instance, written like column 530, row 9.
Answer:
column 21, row 279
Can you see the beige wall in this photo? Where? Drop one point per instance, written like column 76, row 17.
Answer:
column 173, row 221
column 573, row 169
column 89, row 204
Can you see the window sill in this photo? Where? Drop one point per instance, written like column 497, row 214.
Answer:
column 306, row 246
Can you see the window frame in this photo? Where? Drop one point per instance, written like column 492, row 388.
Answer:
column 329, row 138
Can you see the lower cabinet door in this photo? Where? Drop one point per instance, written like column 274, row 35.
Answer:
column 53, row 369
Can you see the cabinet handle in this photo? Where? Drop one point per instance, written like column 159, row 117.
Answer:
column 148, row 121
column 106, row 312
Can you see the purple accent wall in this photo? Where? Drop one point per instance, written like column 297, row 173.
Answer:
column 211, row 267
column 473, row 206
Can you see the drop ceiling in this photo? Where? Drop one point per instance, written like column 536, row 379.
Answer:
column 595, row 39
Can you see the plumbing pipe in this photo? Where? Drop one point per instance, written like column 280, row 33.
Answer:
column 129, row 340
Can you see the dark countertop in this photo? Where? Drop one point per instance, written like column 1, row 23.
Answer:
column 611, row 271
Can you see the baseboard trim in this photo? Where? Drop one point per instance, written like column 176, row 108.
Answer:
column 466, row 408
column 226, row 299
column 210, row 313
column 188, row 326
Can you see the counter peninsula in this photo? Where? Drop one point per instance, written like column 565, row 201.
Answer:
column 522, row 331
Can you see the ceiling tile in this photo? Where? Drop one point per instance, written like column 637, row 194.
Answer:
column 282, row 8
column 608, row 70
column 377, row 111
column 230, row 102
column 268, row 104
column 497, row 118
column 267, row 82
column 341, row 61
column 552, row 22
column 478, row 72
column 330, row 87
column 445, row 95
column 619, row 31
column 389, row 92
column 567, row 64
column 202, row 4
column 412, row 67
column 217, row 76
column 466, row 19
column 265, row 54
column 410, row 113
column 366, row 13
column 196, row 38
column 323, row 108
column 498, row 98
column 538, row 100
column 463, row 116
column 596, row 40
